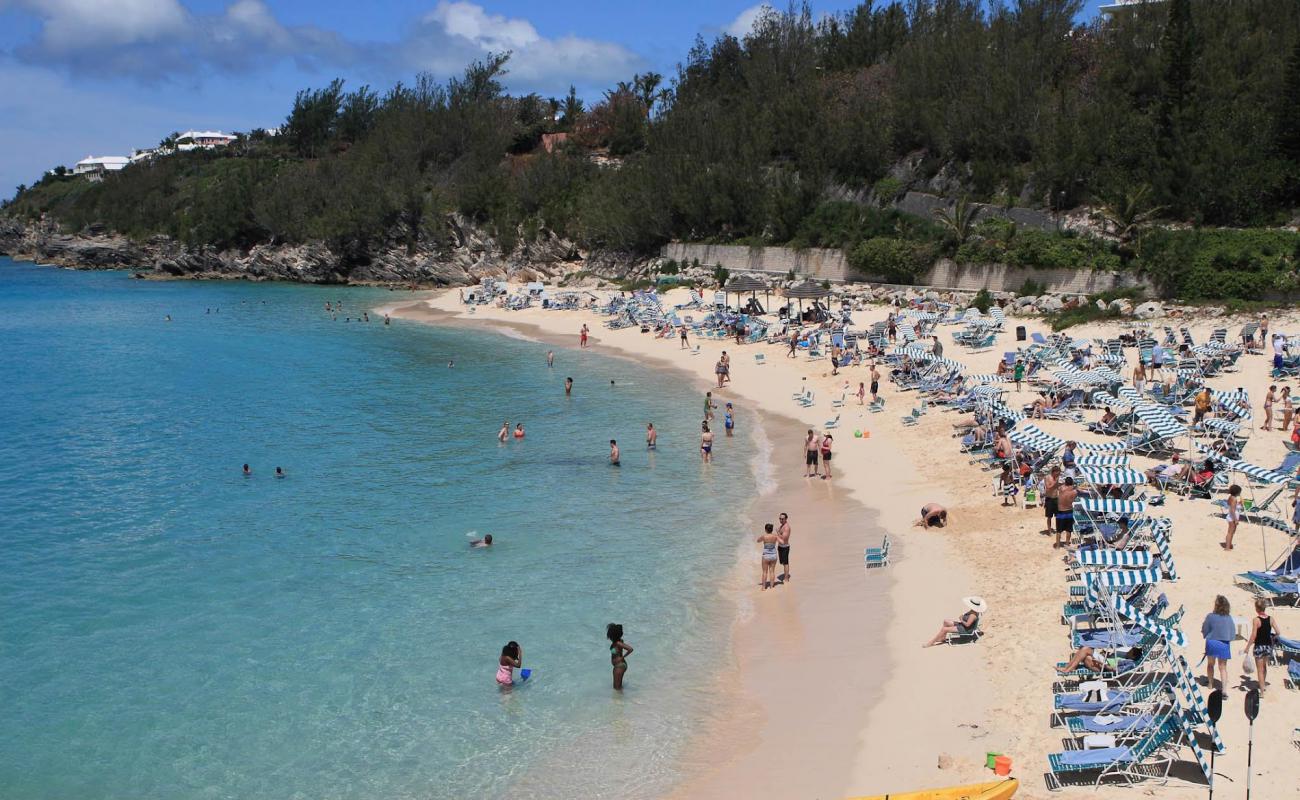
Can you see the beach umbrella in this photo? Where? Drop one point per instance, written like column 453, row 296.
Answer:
column 1102, row 461
column 808, row 290
column 1102, row 557
column 1146, row 623
column 1109, row 505
column 1102, row 476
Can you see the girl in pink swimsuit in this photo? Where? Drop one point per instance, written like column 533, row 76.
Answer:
column 512, row 656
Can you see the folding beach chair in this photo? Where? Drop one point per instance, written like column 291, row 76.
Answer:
column 966, row 637
column 878, row 556
column 1150, row 756
column 833, row 423
column 760, row 359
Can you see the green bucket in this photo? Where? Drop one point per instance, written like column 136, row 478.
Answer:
column 989, row 757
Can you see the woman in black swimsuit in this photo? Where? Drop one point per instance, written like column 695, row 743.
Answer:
column 619, row 650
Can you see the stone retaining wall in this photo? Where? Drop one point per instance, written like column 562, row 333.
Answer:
column 831, row 265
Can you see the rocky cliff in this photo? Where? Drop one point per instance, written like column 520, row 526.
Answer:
column 461, row 257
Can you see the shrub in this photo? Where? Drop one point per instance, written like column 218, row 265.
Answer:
column 1031, row 288
column 982, row 300
column 894, row 260
column 1081, row 315
column 1221, row 263
column 887, row 188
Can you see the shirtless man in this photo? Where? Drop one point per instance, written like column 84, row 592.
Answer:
column 933, row 515
column 568, row 386
column 1065, row 511
column 1051, row 489
column 550, row 358
column 613, row 452
column 582, row 336
column 706, row 443
column 783, row 546
column 504, row 432
column 875, row 382
column 651, row 436
column 812, row 450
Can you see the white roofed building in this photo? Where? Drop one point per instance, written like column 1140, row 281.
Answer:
column 1119, row 5
column 193, row 140
column 95, row 167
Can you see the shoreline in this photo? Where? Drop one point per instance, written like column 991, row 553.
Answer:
column 817, row 672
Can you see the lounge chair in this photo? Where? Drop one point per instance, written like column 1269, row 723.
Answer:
column 878, row 556
column 966, row 637
column 913, row 418
column 832, row 423
column 760, row 359
column 877, row 405
column 1133, row 762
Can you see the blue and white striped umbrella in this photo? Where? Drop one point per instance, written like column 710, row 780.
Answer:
column 1109, row 505
column 1104, row 447
column 1104, row 557
column 949, row 364
column 1121, row 578
column 1101, row 461
column 1107, row 374
column 1111, row 358
column 1160, row 421
column 1261, row 474
column 986, row 378
column 1161, row 535
column 987, row 391
column 1131, row 395
column 1146, row 623
column 1192, row 695
column 1237, row 401
column 1103, row 398
column 1101, row 476
column 1222, row 426
column 913, row 352
column 1030, row 437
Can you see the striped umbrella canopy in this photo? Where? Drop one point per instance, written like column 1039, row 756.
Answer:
column 987, row 378
column 1192, row 695
column 1101, row 476
column 1103, row 398
column 1121, row 578
column 1107, row 374
column 1101, row 461
column 914, row 352
column 953, row 366
column 1146, row 623
column 1161, row 535
column 1074, row 379
column 1080, row 344
column 1261, row 474
column 1160, row 421
column 1102, row 557
column 1111, row 358
column 1131, row 395
column 1109, row 505
column 1222, row 426
column 987, row 391
column 1030, row 437
column 922, row 316
column 1237, row 401
column 1104, row 447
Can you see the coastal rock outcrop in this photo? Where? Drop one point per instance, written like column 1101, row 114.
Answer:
column 461, row 255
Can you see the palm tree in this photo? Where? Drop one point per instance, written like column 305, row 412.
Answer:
column 647, row 89
column 1127, row 213
column 958, row 220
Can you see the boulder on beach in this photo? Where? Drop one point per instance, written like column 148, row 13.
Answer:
column 1149, row 310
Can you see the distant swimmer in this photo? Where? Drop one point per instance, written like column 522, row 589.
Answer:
column 279, row 472
column 706, row 443
column 486, row 541
column 328, row 307
column 366, row 315
column 386, row 319
column 504, row 432
column 512, row 658
column 550, row 358
column 611, row 383
column 568, row 386
column 933, row 515
column 209, row 311
column 451, row 363
column 247, row 471
column 519, row 431
column 169, row 317
column 613, row 452
column 651, row 436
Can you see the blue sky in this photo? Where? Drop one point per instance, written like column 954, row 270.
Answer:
column 101, row 77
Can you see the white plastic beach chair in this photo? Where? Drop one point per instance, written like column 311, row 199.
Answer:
column 834, row 423
column 760, row 359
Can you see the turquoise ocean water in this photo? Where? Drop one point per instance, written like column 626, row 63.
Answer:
column 172, row 629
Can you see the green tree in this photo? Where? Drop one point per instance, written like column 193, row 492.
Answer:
column 1126, row 213
column 1287, row 128
column 1176, row 114
column 959, row 220
column 312, row 123
column 571, row 110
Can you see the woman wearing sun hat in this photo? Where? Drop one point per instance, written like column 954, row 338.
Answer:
column 964, row 624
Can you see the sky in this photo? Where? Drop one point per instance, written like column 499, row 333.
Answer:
column 104, row 77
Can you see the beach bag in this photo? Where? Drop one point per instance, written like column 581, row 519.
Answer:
column 1247, row 664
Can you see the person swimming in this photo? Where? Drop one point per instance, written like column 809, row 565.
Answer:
column 519, row 431
column 512, row 658
column 568, row 386
column 504, row 432
column 486, row 541
column 248, row 471
column 279, row 472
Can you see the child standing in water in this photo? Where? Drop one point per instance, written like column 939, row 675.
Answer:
column 619, row 650
column 512, row 658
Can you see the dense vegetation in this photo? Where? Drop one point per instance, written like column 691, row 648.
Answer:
column 1185, row 111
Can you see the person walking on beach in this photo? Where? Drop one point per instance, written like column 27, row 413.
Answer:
column 651, row 436
column 827, row 441
column 726, row 367
column 937, row 348
column 1233, row 516
column 767, row 557
column 862, row 393
column 619, row 650
column 582, row 336
column 1065, row 495
column 794, row 344
column 512, row 658
column 613, row 453
column 1288, row 409
column 709, row 405
column 728, row 419
column 1139, row 375
column 1218, row 630
column 504, row 432
column 706, row 443
column 875, row 382
column 684, row 342
column 1018, row 373
column 568, row 386
column 1051, row 487
column 1260, row 642
column 1202, row 405
column 719, row 369
column 550, row 358
column 783, row 546
column 812, row 448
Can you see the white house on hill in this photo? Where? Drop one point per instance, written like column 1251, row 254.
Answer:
column 95, row 167
column 193, row 140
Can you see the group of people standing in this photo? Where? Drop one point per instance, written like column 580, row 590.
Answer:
column 817, row 454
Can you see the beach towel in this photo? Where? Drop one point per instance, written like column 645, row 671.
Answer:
column 1107, row 723
column 1094, row 758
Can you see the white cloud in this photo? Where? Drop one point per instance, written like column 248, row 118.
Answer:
column 71, row 24
column 457, row 32
column 743, row 24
